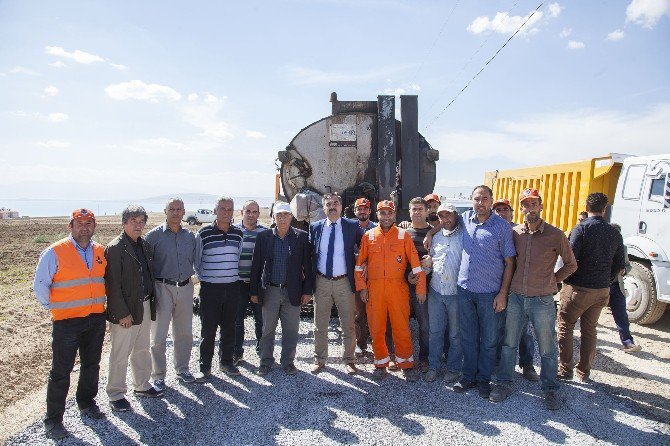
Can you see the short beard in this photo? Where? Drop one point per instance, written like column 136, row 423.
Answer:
column 363, row 218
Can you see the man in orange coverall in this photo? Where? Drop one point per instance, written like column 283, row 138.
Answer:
column 387, row 249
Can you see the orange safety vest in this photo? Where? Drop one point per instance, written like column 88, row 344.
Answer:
column 76, row 291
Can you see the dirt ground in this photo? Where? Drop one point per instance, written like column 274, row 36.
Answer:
column 642, row 378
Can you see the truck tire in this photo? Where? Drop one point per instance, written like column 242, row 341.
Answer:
column 192, row 221
column 641, row 303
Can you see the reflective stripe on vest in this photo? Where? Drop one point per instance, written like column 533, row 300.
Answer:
column 77, row 282
column 75, row 290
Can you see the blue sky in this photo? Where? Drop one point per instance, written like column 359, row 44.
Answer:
column 105, row 100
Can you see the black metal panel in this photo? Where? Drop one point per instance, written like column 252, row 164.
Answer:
column 410, row 155
column 386, row 146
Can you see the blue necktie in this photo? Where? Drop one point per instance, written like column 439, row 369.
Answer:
column 331, row 252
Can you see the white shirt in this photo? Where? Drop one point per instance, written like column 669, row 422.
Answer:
column 339, row 262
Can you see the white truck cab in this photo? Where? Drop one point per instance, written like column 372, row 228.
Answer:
column 642, row 208
column 199, row 217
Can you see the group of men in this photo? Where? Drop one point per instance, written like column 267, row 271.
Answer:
column 472, row 281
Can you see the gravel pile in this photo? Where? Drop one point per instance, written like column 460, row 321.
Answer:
column 335, row 408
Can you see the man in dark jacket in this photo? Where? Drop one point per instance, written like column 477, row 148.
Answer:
column 281, row 280
column 598, row 248
column 130, row 300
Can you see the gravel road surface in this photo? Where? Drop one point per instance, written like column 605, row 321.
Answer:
column 336, row 408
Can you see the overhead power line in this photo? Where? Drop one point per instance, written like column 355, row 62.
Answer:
column 469, row 61
column 439, row 34
column 485, row 65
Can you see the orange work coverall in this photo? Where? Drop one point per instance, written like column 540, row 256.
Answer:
column 387, row 255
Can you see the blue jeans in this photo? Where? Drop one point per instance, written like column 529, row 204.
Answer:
column 420, row 312
column 526, row 344
column 479, row 334
column 542, row 314
column 244, row 302
column 618, row 306
column 443, row 316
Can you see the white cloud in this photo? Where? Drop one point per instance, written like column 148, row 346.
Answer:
column 565, row 32
column 503, row 23
column 192, row 97
column 541, row 139
column 58, row 117
column 575, row 45
column 58, row 64
column 210, row 98
column 51, row 91
column 205, row 116
column 155, row 146
column 54, row 144
column 136, row 89
column 616, row 35
column 309, row 76
column 118, row 66
column 555, row 9
column 23, row 70
column 76, row 55
column 255, row 134
column 647, row 12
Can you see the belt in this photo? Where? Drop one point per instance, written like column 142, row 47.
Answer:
column 278, row 285
column 331, row 278
column 173, row 283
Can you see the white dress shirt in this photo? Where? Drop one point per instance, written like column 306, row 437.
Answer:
column 339, row 263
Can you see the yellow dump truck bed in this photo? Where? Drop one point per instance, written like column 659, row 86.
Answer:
column 563, row 187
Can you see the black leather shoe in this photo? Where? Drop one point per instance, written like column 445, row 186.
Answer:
column 463, row 386
column 92, row 411
column 55, row 431
column 121, row 405
column 151, row 392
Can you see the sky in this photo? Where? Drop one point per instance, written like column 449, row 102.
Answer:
column 132, row 99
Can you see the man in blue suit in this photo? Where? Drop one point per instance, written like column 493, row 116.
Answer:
column 333, row 241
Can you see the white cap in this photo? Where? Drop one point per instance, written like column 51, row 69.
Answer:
column 281, row 206
column 447, row 207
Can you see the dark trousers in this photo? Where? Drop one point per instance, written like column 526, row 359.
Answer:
column 420, row 312
column 218, row 308
column 618, row 306
column 242, row 305
column 83, row 334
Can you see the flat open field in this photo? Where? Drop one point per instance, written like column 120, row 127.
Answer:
column 640, row 381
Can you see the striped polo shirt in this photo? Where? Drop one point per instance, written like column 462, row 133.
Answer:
column 217, row 254
column 485, row 247
column 248, row 249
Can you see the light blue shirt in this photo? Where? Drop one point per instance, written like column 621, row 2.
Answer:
column 47, row 267
column 446, row 251
column 485, row 247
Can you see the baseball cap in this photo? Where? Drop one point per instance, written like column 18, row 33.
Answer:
column 434, row 197
column 500, row 201
column 528, row 193
column 280, row 207
column 362, row 202
column 83, row 214
column 447, row 207
column 385, row 204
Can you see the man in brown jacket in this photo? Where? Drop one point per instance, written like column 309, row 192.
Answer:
column 538, row 245
column 130, row 299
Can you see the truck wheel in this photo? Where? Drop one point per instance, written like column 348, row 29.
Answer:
column 641, row 303
column 192, row 221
